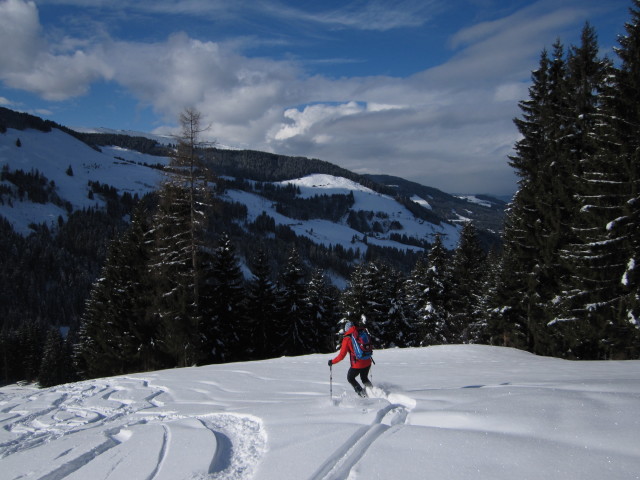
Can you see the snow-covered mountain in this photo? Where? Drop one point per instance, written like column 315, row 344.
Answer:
column 330, row 233
column 484, row 210
column 449, row 412
column 72, row 164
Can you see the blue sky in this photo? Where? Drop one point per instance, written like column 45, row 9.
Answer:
column 423, row 89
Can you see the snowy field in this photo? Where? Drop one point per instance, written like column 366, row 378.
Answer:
column 452, row 412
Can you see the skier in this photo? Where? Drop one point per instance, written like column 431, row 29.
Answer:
column 358, row 366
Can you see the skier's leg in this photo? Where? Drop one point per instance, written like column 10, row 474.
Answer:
column 351, row 378
column 364, row 376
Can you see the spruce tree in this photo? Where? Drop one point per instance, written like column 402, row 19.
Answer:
column 262, row 308
column 116, row 332
column 379, row 282
column 515, row 301
column 555, row 205
column 584, row 308
column 354, row 298
column 491, row 281
column 571, row 231
column 623, row 225
column 521, row 220
column 56, row 367
column 398, row 330
column 222, row 304
column 427, row 297
column 31, row 337
column 414, row 289
column 537, row 224
column 322, row 311
column 466, row 279
column 136, row 291
column 294, row 318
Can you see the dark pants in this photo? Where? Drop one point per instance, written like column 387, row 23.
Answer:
column 353, row 373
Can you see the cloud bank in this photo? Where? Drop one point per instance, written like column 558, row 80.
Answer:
column 449, row 126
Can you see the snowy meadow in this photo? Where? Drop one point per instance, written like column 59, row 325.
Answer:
column 454, row 412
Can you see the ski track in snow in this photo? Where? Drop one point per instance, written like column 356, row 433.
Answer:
column 130, row 411
column 514, row 415
column 62, row 423
column 391, row 417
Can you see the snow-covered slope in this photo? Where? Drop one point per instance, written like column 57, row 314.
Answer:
column 128, row 171
column 52, row 154
column 454, row 412
column 328, row 233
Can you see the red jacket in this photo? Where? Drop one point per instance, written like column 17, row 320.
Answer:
column 347, row 346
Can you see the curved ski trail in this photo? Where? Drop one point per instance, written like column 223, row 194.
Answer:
column 339, row 465
column 115, row 426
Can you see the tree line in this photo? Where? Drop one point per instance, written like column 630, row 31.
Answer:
column 154, row 309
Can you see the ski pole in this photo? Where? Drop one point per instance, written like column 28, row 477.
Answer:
column 330, row 382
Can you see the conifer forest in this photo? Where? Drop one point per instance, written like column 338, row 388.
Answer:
column 166, row 287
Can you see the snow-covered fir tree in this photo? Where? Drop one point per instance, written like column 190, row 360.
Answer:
column 222, row 304
column 583, row 307
column 570, row 229
column 535, row 220
column 398, row 330
column 118, row 334
column 427, row 297
column 30, row 340
column 106, row 344
column 354, row 299
column 505, row 311
column 322, row 310
column 56, row 367
column 294, row 321
column 626, row 120
column 466, row 281
column 262, row 308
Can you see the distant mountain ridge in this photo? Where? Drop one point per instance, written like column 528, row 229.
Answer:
column 485, row 211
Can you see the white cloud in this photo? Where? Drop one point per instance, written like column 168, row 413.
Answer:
column 59, row 77
column 19, row 36
column 311, row 116
column 377, row 15
column 27, row 64
column 241, row 98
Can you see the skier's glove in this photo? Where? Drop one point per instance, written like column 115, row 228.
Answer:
column 330, row 362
